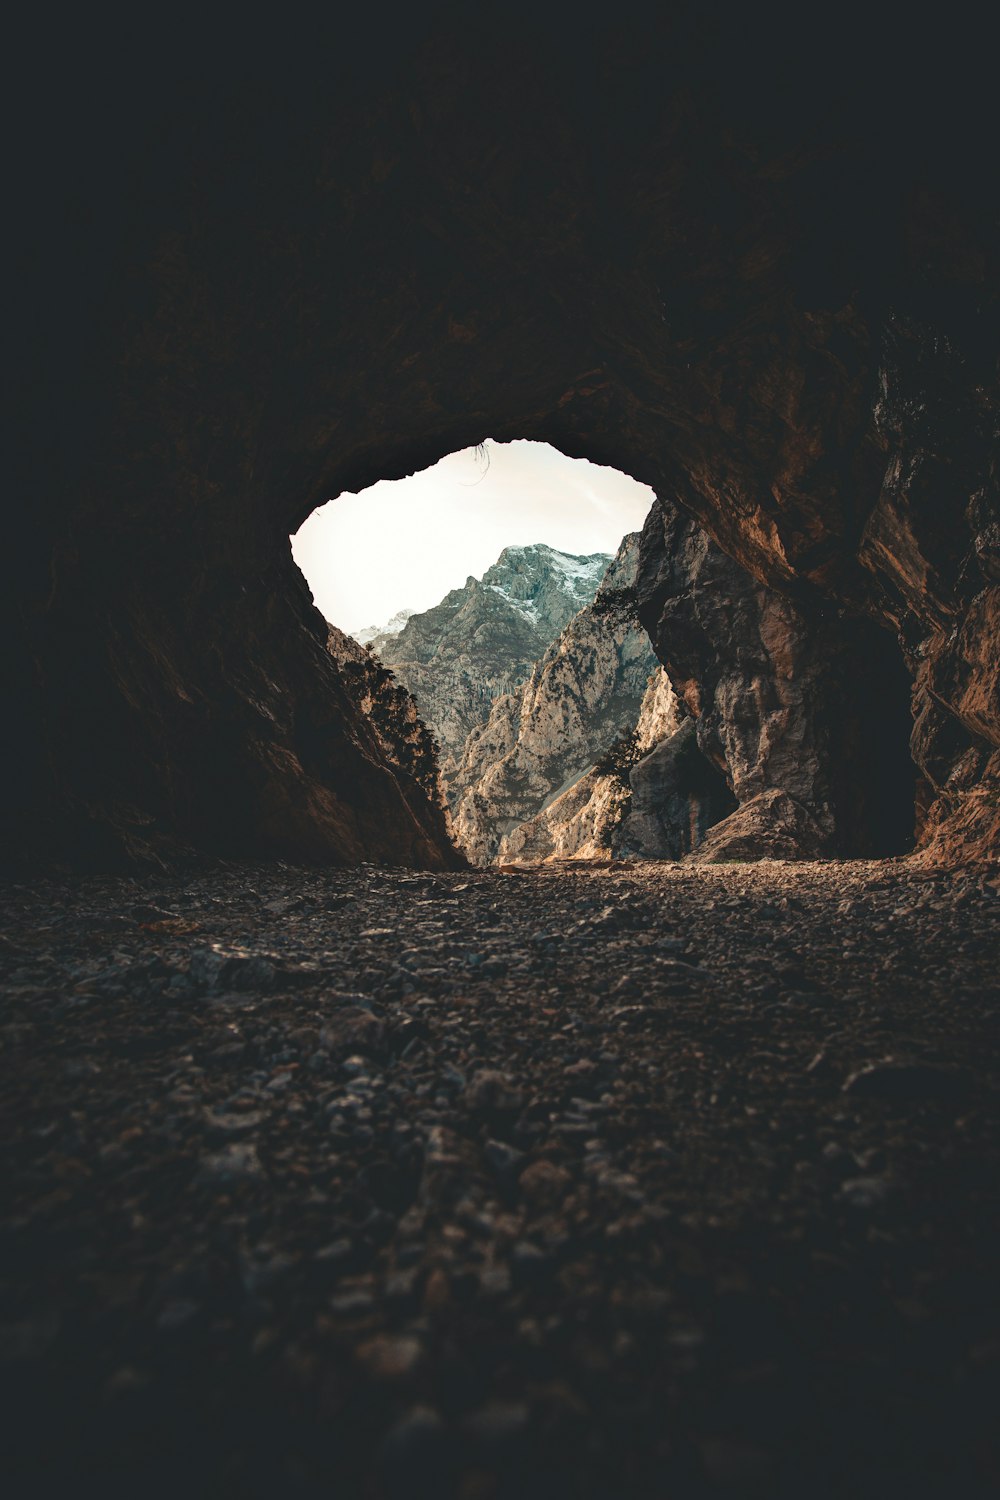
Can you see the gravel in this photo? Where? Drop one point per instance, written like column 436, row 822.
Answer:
column 595, row 1181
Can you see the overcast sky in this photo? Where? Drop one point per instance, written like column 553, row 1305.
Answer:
column 404, row 543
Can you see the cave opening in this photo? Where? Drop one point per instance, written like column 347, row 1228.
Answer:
column 579, row 696
column 397, row 547
column 505, row 577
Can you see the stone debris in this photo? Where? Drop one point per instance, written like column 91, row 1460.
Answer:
column 628, row 1177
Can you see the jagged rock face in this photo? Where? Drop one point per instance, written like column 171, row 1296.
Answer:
column 482, row 640
column 761, row 277
column 676, row 796
column 784, row 698
column 772, row 825
column 586, row 690
column 933, row 542
column 406, row 743
column 578, row 824
column 586, row 820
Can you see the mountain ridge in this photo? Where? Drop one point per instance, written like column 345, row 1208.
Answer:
column 483, row 639
column 587, row 688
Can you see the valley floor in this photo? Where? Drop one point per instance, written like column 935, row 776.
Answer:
column 589, row 1182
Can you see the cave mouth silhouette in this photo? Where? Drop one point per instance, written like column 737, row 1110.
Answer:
column 718, row 281
column 862, row 707
column 425, row 534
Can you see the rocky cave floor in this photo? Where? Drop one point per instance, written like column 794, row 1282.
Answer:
column 589, row 1182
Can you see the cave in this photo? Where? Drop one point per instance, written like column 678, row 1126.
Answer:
column 790, row 703
column 792, row 352
column 335, row 1162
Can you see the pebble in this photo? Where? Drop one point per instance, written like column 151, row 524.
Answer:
column 237, row 1163
column 497, row 1422
column 392, row 1157
column 388, row 1357
column 502, row 1158
column 867, row 1192
column 544, row 1183
column 492, row 1092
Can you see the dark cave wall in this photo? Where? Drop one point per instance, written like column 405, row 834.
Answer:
column 766, row 291
column 787, row 698
column 195, row 708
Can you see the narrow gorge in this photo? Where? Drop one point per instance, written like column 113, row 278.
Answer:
column 683, row 711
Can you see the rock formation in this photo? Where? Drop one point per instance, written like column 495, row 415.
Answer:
column 482, row 640
column 787, row 699
column 796, row 744
column 674, row 796
column 585, row 820
column 585, row 691
column 761, row 277
column 403, row 738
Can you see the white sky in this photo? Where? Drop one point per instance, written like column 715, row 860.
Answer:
column 402, row 544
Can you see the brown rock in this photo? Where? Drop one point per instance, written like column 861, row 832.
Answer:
column 388, row 1357
column 491, row 1092
column 545, row 1184
column 351, row 1029
column 437, row 1291
column 771, row 826
column 806, row 717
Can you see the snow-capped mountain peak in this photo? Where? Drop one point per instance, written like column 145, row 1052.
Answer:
column 482, row 640
column 393, row 627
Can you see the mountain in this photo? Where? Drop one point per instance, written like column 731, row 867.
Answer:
column 591, row 818
column 586, row 691
column 483, row 640
column 375, row 635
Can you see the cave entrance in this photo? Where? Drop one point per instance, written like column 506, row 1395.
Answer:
column 494, row 586
column 400, row 546
column 496, row 620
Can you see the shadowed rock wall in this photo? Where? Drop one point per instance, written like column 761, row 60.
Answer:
column 755, row 267
column 788, row 698
column 677, row 797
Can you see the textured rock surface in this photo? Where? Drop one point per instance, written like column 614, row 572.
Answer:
column 771, row 825
column 482, row 640
column 406, row 743
column 761, row 277
column 577, row 824
column 933, row 542
column 587, row 820
column 617, row 1184
column 676, row 795
column 585, row 691
column 788, row 699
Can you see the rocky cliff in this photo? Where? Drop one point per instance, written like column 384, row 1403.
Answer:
column 402, row 736
column 774, row 730
column 483, row 640
column 804, row 714
column 784, row 732
column 584, row 692
column 587, row 820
